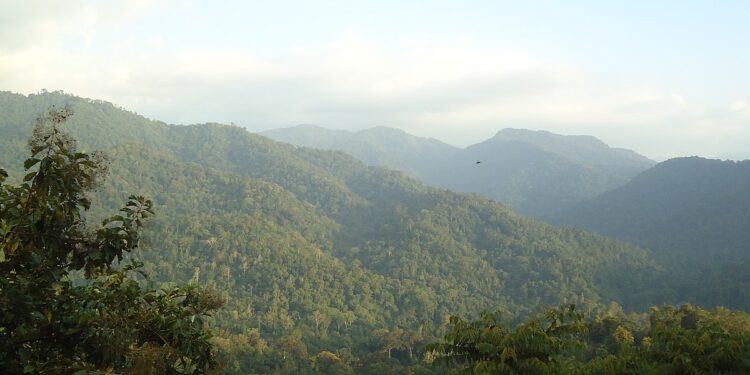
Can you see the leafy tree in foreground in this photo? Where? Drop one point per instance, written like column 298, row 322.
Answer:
column 684, row 340
column 486, row 346
column 105, row 321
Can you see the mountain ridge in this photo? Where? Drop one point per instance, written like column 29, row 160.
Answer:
column 392, row 227
column 583, row 166
column 691, row 213
column 314, row 251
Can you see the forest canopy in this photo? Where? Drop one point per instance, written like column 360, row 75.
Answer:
column 683, row 340
column 55, row 319
column 324, row 265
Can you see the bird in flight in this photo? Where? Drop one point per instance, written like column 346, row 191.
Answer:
column 478, row 161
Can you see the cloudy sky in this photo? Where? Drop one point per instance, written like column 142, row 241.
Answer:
column 666, row 78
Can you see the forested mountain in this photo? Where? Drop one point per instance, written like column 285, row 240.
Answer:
column 582, row 149
column 693, row 213
column 535, row 172
column 524, row 176
column 421, row 158
column 317, row 253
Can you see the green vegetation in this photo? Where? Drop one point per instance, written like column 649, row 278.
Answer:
column 692, row 213
column 324, row 265
column 582, row 149
column 54, row 322
column 535, row 172
column 391, row 148
column 684, row 340
column 313, row 250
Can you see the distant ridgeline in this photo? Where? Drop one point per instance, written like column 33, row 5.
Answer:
column 694, row 214
column 324, row 259
column 535, row 172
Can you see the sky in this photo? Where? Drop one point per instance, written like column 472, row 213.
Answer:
column 665, row 78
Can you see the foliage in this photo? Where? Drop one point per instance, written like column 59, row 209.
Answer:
column 53, row 322
column 692, row 213
column 536, row 173
column 318, row 255
column 684, row 340
column 536, row 346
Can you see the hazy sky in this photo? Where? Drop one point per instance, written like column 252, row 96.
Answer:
column 666, row 78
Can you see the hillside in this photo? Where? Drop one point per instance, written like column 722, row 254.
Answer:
column 693, row 214
column 535, row 173
column 533, row 181
column 582, row 149
column 391, row 148
column 313, row 248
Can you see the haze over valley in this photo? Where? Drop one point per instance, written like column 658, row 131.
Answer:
column 535, row 172
column 493, row 187
column 290, row 235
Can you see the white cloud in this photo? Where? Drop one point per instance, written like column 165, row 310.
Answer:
column 741, row 107
column 45, row 22
column 460, row 90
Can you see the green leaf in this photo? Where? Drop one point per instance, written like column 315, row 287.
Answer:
column 30, row 162
column 487, row 348
column 29, row 176
column 184, row 365
column 85, row 203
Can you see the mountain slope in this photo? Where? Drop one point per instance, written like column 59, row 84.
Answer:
column 315, row 244
column 536, row 173
column 373, row 209
column 585, row 150
column 694, row 214
column 379, row 146
column 523, row 176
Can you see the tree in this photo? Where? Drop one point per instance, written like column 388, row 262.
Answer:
column 318, row 317
column 329, row 363
column 389, row 340
column 54, row 319
column 534, row 347
column 685, row 340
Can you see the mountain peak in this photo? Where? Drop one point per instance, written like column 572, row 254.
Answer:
column 584, row 149
column 380, row 129
column 528, row 135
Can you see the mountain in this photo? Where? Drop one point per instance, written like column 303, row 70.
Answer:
column 536, row 173
column 380, row 146
column 532, row 181
column 582, row 149
column 315, row 251
column 694, row 214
